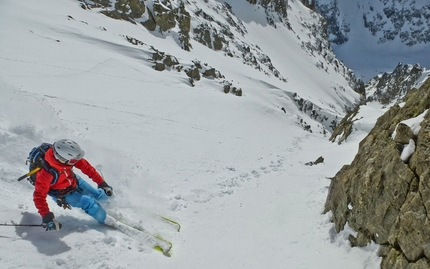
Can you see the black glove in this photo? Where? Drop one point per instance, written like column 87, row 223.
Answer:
column 50, row 223
column 107, row 189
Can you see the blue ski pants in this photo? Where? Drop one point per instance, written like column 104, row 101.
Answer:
column 87, row 197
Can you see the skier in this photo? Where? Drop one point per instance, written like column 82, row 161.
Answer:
column 69, row 189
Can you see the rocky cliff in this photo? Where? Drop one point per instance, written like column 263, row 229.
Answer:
column 384, row 194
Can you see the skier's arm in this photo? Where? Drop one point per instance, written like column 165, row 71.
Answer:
column 92, row 173
column 43, row 180
column 89, row 170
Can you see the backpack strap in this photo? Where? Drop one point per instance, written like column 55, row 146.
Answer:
column 45, row 165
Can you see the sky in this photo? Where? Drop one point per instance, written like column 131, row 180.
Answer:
column 231, row 170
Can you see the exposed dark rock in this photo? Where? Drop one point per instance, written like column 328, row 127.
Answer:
column 150, row 24
column 170, row 61
column 134, row 41
column 114, row 14
column 317, row 161
column 165, row 19
column 228, row 88
column 193, row 73
column 100, row 3
column 210, row 73
column 159, row 66
column 131, row 8
column 184, row 21
column 236, row 91
column 161, row 58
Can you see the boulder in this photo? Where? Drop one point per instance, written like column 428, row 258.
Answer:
column 403, row 134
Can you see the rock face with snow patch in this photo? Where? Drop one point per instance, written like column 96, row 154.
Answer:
column 384, row 198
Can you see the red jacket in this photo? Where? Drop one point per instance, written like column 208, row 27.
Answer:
column 66, row 178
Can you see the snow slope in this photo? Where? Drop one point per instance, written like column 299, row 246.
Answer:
column 230, row 169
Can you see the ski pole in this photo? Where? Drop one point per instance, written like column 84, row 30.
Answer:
column 35, row 170
column 17, row 224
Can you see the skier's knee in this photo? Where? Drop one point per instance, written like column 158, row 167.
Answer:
column 87, row 202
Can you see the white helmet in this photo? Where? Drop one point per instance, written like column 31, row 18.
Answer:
column 67, row 151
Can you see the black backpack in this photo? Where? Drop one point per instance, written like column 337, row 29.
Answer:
column 36, row 161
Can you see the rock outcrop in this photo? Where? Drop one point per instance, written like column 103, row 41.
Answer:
column 384, row 198
column 342, row 131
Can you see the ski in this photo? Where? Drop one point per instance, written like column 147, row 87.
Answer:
column 170, row 221
column 155, row 241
